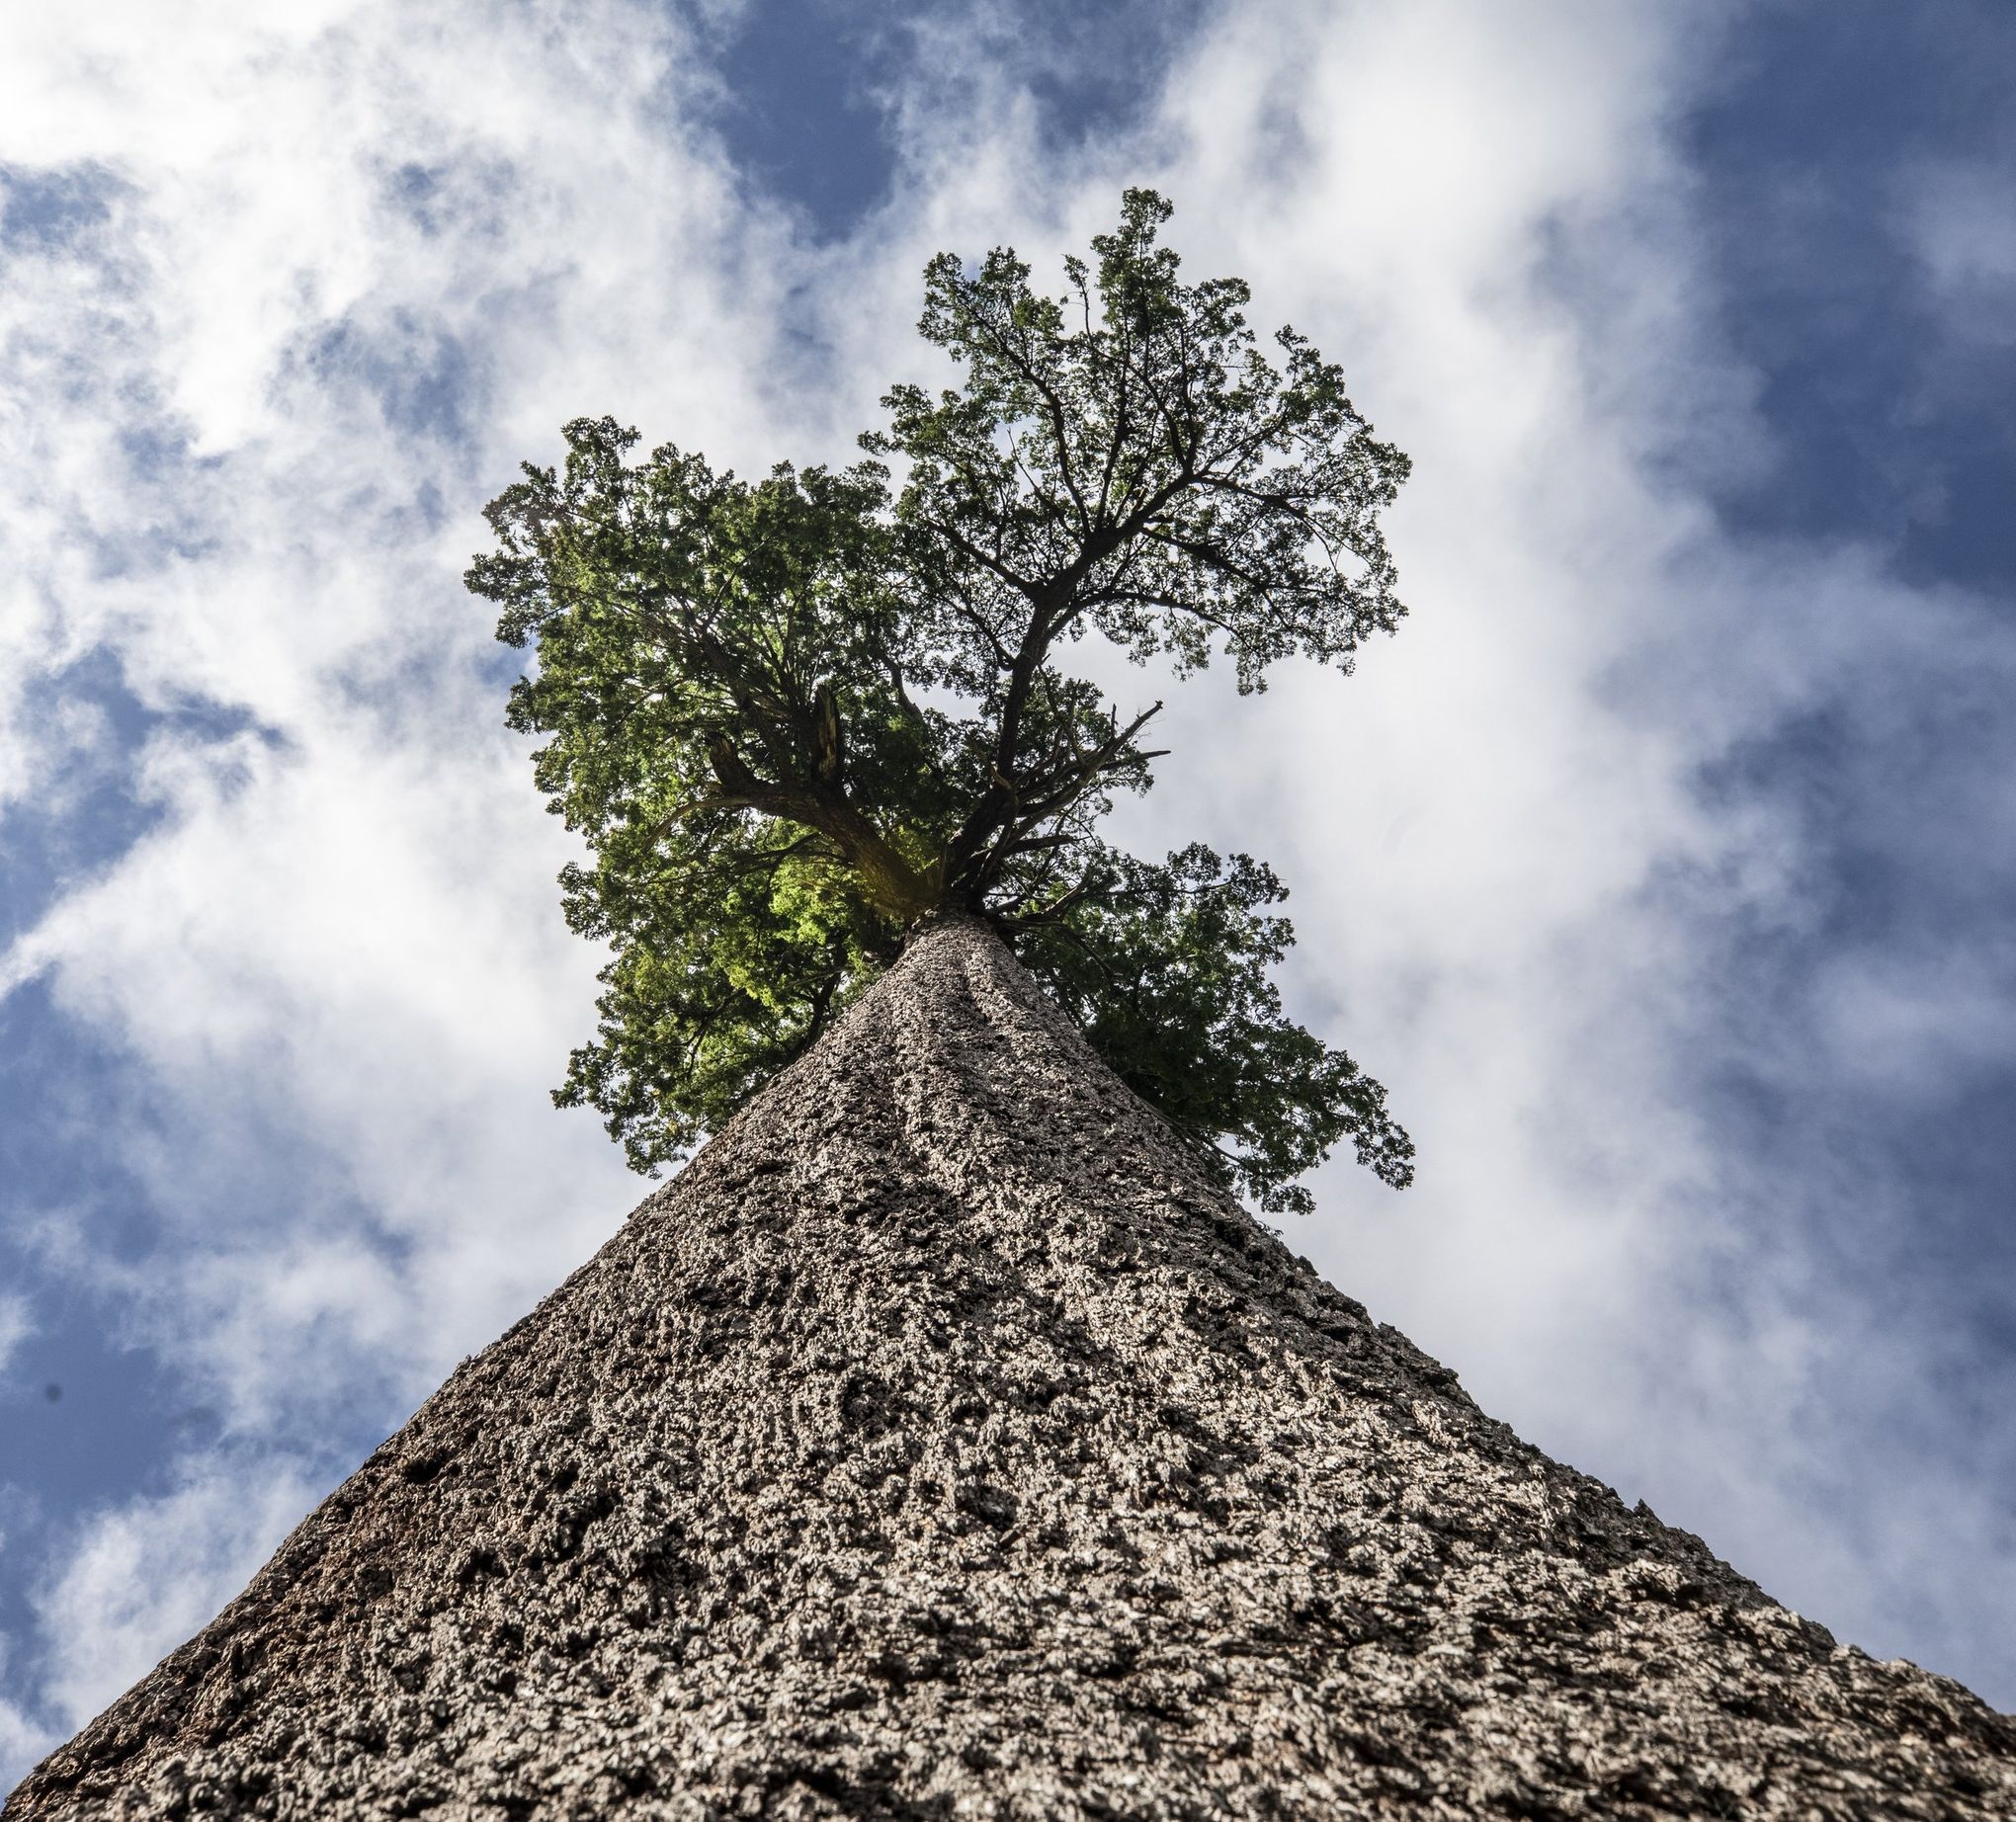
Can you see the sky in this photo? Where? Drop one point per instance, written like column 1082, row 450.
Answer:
column 1659, row 866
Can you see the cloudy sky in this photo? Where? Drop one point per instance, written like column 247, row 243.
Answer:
column 1660, row 866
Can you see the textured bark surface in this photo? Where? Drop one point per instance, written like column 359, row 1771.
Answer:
column 942, row 1444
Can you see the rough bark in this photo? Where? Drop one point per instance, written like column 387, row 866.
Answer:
column 941, row 1443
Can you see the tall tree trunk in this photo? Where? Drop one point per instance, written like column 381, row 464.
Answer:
column 941, row 1443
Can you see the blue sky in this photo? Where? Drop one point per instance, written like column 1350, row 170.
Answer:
column 1661, row 864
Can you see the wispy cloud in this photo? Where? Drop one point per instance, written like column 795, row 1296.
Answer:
column 140, row 1580
column 15, row 1326
column 1961, row 219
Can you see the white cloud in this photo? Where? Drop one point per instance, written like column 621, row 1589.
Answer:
column 23, row 1742
column 143, row 1579
column 335, row 960
column 15, row 1326
column 1961, row 221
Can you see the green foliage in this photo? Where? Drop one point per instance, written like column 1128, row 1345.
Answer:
column 1166, row 971
column 794, row 716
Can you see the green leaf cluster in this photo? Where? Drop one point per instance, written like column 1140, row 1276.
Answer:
column 794, row 717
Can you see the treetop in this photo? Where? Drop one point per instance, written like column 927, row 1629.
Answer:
column 793, row 716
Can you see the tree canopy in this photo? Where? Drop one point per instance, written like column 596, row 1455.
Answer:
column 794, row 716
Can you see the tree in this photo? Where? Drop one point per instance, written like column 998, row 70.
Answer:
column 795, row 717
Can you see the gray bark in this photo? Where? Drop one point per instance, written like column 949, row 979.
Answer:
column 941, row 1443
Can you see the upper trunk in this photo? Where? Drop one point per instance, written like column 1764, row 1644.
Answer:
column 943, row 1442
